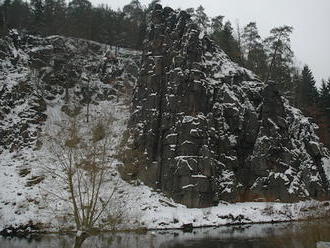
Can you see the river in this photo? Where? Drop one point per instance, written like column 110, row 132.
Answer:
column 290, row 235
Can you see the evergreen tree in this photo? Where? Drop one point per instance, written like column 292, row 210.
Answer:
column 225, row 39
column 309, row 88
column 14, row 14
column 201, row 18
column 135, row 27
column 324, row 97
column 151, row 5
column 55, row 16
column 257, row 61
column 102, row 24
column 253, row 50
column 251, row 37
column 49, row 12
column 280, row 54
column 190, row 11
column 4, row 16
column 60, row 17
column 306, row 94
column 324, row 120
column 297, row 100
column 38, row 23
column 133, row 9
column 217, row 24
column 79, row 18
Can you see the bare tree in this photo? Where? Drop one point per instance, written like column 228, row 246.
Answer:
column 82, row 165
column 239, row 41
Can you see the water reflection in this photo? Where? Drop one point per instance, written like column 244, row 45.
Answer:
column 292, row 235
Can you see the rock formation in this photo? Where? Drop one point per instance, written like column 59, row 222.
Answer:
column 43, row 72
column 44, row 82
column 211, row 130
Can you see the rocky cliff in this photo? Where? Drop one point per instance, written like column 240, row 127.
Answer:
column 38, row 73
column 211, row 130
column 44, row 82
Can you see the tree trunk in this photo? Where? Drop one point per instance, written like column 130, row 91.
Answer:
column 74, row 203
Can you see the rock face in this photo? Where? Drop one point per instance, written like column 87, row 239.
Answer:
column 40, row 73
column 211, row 130
column 43, row 82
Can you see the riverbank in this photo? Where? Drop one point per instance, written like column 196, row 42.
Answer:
column 140, row 209
column 30, row 199
column 290, row 235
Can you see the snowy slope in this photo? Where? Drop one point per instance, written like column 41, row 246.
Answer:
column 35, row 98
column 44, row 81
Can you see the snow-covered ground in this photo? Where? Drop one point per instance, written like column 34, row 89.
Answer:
column 21, row 203
column 136, row 205
column 29, row 195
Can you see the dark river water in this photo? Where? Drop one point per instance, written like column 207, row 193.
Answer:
column 295, row 235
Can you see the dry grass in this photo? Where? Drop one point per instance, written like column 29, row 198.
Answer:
column 133, row 159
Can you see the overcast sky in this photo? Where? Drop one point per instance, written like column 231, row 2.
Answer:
column 310, row 19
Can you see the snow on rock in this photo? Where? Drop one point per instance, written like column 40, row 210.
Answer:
column 205, row 114
column 236, row 130
column 44, row 81
column 323, row 245
column 326, row 167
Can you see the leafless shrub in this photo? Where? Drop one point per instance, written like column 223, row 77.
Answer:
column 81, row 164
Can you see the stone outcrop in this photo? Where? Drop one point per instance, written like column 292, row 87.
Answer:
column 211, row 130
column 44, row 82
column 40, row 73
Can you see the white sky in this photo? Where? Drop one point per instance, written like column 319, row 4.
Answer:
column 310, row 19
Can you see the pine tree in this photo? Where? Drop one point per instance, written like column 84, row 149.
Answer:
column 217, row 24
column 38, row 23
column 324, row 105
column 225, row 39
column 251, row 37
column 201, row 18
column 4, row 16
column 14, row 14
column 102, row 24
column 253, row 50
column 306, row 93
column 280, row 54
column 55, row 16
column 135, row 27
column 324, row 97
column 151, row 5
column 60, row 17
column 190, row 11
column 49, row 12
column 79, row 18
column 309, row 89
